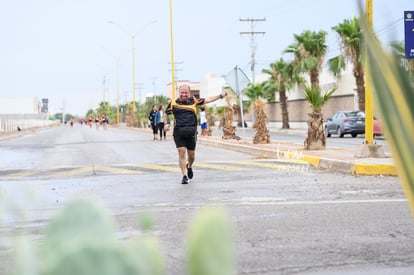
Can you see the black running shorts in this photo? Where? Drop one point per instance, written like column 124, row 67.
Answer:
column 187, row 142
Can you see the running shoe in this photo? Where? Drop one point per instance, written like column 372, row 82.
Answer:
column 185, row 180
column 190, row 172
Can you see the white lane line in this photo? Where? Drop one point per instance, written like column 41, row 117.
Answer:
column 263, row 201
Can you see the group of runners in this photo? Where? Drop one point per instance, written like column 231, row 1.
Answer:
column 100, row 121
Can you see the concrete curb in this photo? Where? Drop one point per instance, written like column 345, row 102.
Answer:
column 355, row 167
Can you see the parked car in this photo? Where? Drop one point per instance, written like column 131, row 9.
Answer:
column 377, row 128
column 345, row 122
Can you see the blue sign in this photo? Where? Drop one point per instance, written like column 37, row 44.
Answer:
column 409, row 33
column 45, row 108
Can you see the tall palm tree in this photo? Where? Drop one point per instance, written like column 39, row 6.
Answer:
column 281, row 80
column 309, row 50
column 350, row 33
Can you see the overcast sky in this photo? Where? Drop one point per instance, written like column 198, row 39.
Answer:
column 64, row 49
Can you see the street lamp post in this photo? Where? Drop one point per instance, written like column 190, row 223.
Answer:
column 117, row 91
column 173, row 95
column 133, row 75
column 117, row 87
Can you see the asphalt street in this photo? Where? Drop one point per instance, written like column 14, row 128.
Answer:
column 288, row 218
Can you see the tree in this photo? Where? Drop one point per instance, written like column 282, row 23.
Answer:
column 316, row 139
column 309, row 50
column 235, row 98
column 262, row 133
column 253, row 91
column 229, row 131
column 350, row 33
column 102, row 108
column 281, row 80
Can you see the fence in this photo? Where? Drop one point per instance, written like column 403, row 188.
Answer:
column 20, row 122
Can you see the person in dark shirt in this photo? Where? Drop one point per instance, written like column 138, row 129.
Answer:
column 151, row 119
column 184, row 109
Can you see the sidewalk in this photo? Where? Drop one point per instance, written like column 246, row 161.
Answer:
column 331, row 159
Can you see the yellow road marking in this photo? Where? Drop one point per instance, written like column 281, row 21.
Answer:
column 155, row 167
column 294, row 161
column 266, row 165
column 123, row 168
column 26, row 173
column 75, row 171
column 118, row 170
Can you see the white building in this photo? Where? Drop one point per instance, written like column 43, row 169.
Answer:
column 15, row 105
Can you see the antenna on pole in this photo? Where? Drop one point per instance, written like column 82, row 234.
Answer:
column 253, row 44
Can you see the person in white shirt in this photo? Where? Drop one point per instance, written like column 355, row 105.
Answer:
column 203, row 121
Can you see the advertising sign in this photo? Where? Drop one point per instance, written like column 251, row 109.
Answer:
column 409, row 33
column 45, row 102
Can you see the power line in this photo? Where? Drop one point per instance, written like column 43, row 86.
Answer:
column 389, row 26
column 175, row 69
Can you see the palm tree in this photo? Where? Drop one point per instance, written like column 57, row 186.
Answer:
column 316, row 139
column 253, row 91
column 102, row 108
column 350, row 33
column 281, row 80
column 309, row 51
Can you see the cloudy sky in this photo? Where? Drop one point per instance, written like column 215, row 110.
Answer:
column 67, row 50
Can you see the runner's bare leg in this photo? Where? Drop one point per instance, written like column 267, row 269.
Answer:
column 190, row 157
column 181, row 160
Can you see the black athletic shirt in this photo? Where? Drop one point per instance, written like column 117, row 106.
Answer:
column 185, row 113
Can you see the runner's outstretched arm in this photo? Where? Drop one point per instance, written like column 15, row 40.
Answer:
column 216, row 97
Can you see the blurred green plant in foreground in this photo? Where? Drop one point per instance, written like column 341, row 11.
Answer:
column 394, row 95
column 82, row 240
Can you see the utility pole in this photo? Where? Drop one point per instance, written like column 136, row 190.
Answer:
column 253, row 44
column 108, row 105
column 103, row 89
column 173, row 95
column 154, row 88
column 174, row 86
column 369, row 107
column 175, row 69
column 140, row 87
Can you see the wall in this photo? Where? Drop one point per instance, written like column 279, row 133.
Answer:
column 10, row 123
column 299, row 109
